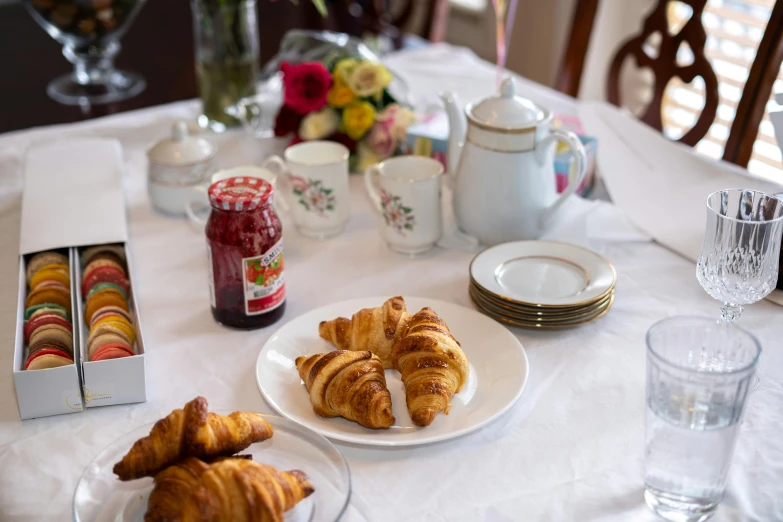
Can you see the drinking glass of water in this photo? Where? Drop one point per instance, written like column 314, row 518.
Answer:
column 699, row 372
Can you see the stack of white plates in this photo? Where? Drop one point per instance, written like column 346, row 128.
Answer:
column 542, row 284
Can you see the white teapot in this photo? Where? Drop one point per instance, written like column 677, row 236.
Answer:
column 502, row 170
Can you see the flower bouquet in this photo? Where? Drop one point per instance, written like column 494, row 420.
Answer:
column 348, row 102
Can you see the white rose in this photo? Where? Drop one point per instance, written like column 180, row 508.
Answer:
column 319, row 124
column 403, row 119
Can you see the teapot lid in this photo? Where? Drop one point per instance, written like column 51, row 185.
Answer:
column 507, row 111
column 181, row 149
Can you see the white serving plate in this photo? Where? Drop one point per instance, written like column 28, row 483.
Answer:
column 498, row 372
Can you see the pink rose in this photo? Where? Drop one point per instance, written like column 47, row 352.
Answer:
column 380, row 140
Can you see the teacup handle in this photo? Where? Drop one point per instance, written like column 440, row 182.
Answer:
column 199, row 189
column 575, row 144
column 369, row 183
column 277, row 164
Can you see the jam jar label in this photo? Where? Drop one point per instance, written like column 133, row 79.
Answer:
column 264, row 281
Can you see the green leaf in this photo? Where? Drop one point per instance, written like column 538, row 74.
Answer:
column 327, row 191
column 260, row 280
column 329, row 207
column 298, row 192
column 407, row 210
column 408, row 227
column 319, row 4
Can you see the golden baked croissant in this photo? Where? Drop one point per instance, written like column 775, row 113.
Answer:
column 373, row 329
column 432, row 365
column 191, row 432
column 172, row 486
column 348, row 384
column 235, row 490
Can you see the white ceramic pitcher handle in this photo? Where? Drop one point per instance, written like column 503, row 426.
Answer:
column 369, row 184
column 277, row 165
column 575, row 144
column 197, row 190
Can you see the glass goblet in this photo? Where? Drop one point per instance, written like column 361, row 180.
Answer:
column 90, row 31
column 739, row 258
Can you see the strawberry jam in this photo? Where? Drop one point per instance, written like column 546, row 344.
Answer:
column 245, row 250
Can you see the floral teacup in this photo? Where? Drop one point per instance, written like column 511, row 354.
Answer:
column 316, row 191
column 409, row 201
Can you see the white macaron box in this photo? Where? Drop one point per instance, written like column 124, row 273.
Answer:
column 73, row 198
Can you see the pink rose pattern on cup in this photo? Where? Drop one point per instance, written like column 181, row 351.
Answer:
column 397, row 215
column 313, row 196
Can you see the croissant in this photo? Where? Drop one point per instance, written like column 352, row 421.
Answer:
column 191, row 432
column 432, row 365
column 373, row 329
column 238, row 490
column 348, row 384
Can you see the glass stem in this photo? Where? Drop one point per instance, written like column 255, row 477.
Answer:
column 92, row 64
column 730, row 312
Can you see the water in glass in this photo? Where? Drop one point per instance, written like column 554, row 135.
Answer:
column 698, row 376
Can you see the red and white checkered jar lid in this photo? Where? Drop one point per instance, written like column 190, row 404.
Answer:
column 240, row 194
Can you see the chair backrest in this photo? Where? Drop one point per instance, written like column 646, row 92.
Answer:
column 664, row 67
column 380, row 17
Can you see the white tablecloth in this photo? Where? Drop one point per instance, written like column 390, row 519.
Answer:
column 570, row 449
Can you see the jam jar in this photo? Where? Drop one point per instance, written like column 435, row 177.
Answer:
column 245, row 250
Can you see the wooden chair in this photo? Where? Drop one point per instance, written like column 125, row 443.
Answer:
column 379, row 17
column 757, row 90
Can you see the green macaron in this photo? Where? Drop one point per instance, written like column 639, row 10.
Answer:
column 103, row 286
column 48, row 307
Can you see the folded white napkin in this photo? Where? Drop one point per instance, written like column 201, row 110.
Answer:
column 661, row 185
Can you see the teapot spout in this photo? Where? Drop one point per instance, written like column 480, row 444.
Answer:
column 457, row 126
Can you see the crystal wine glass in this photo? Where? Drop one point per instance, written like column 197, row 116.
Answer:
column 90, row 31
column 739, row 258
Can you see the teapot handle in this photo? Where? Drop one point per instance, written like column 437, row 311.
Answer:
column 575, row 144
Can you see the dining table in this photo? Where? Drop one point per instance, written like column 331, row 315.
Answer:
column 570, row 449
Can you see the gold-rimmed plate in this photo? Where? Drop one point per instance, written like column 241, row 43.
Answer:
column 541, row 316
column 507, row 307
column 543, row 274
column 546, row 325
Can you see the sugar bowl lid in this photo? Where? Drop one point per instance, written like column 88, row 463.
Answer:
column 507, row 111
column 181, row 149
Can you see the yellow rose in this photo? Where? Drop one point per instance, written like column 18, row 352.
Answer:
column 368, row 79
column 344, row 68
column 365, row 157
column 339, row 94
column 319, row 124
column 358, row 117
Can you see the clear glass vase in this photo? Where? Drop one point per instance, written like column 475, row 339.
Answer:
column 226, row 44
column 90, row 31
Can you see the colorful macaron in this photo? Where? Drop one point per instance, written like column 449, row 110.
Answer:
column 106, row 289
column 48, row 331
column 46, row 359
column 42, row 259
column 105, row 251
column 109, row 311
column 111, row 351
column 47, row 308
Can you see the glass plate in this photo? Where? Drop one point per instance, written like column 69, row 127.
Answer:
column 101, row 496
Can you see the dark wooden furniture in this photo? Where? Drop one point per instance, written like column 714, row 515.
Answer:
column 381, row 17
column 756, row 92
column 159, row 46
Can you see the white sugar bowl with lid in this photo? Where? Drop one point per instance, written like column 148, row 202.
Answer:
column 176, row 165
column 501, row 167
